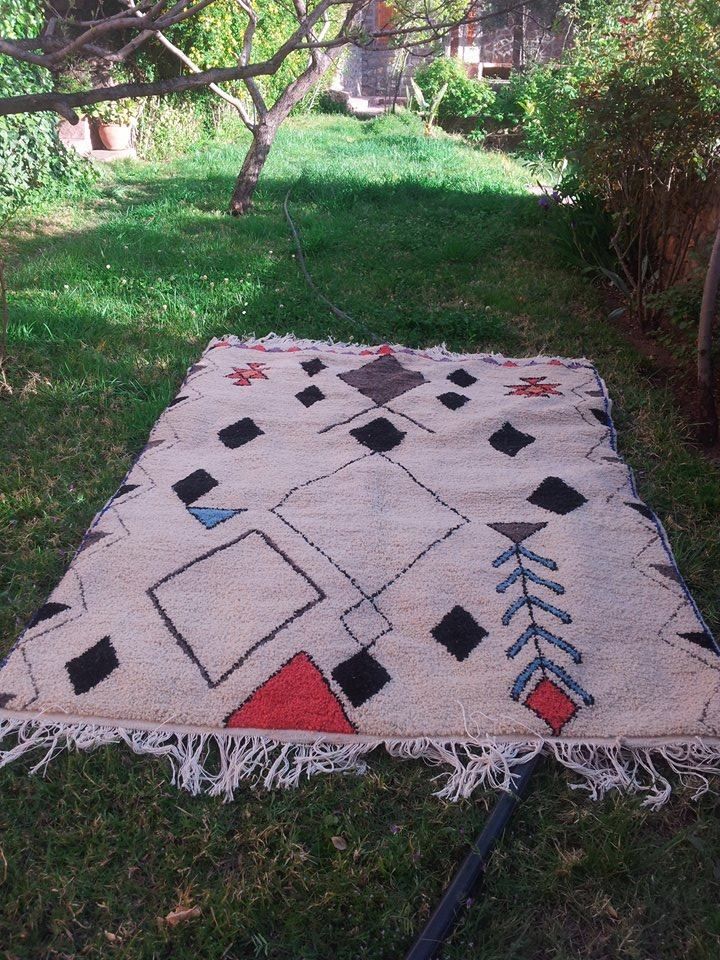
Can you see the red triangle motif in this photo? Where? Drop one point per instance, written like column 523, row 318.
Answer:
column 297, row 697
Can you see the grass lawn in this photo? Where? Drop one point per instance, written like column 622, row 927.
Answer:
column 112, row 297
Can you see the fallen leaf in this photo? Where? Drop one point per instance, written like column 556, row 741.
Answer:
column 180, row 916
column 340, row 843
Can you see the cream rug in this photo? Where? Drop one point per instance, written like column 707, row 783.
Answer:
column 324, row 548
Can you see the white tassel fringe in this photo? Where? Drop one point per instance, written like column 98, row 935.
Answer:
column 288, row 341
column 216, row 764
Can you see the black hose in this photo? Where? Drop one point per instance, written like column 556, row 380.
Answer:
column 464, row 883
column 340, row 314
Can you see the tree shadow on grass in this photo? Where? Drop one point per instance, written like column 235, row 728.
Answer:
column 110, row 345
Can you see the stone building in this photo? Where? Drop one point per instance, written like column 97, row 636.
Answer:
column 491, row 49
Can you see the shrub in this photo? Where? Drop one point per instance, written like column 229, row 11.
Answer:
column 634, row 107
column 465, row 99
column 32, row 159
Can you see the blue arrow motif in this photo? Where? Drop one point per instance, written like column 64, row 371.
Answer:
column 532, row 601
column 519, row 571
column 537, row 631
column 542, row 662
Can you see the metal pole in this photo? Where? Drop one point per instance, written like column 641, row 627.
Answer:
column 445, row 916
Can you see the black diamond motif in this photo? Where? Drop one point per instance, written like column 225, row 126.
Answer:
column 453, row 400
column 46, row 611
column 554, row 494
column 360, row 677
column 93, row 666
column 125, row 488
column 94, row 536
column 642, row 509
column 379, row 435
column 509, row 440
column 194, row 486
column 310, row 395
column 461, row 378
column 383, row 379
column 459, row 633
column 311, row 367
column 600, row 415
column 702, row 638
column 240, row 433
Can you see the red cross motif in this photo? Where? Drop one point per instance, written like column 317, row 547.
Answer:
column 242, row 377
column 532, row 387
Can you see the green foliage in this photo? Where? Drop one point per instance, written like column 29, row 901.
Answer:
column 325, row 102
column 680, row 308
column 425, row 240
column 215, row 36
column 32, row 159
column 428, row 109
column 464, row 98
column 634, row 107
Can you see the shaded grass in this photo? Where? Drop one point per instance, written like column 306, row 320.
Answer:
column 112, row 298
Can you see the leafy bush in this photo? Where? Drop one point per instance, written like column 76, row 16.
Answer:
column 464, row 99
column 32, row 159
column 634, row 107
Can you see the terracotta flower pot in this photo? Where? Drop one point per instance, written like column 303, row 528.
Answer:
column 115, row 136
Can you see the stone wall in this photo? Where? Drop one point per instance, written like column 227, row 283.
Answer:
column 374, row 73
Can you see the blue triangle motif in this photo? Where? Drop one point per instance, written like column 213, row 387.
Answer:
column 210, row 517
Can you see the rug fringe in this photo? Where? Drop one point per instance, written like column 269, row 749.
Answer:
column 288, row 341
column 217, row 764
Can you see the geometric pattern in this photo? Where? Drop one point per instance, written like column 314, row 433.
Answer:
column 380, row 544
column 459, row 633
column 264, row 591
column 361, row 677
column 296, row 697
column 313, row 367
column 548, row 700
column 508, row 440
column 379, row 435
column 238, row 434
column 461, row 378
column 310, row 395
column 383, row 379
column 556, row 495
column 453, row 401
column 93, row 666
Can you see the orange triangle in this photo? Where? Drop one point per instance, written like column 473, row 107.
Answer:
column 297, row 697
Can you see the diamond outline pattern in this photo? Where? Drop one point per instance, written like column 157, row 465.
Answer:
column 185, row 645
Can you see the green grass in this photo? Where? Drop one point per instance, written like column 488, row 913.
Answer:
column 112, row 297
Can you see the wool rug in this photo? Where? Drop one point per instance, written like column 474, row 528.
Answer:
column 324, row 548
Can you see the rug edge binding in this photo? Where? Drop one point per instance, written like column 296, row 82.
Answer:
column 217, row 764
column 288, row 341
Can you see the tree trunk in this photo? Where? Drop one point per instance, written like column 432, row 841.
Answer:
column 706, row 387
column 263, row 137
column 518, row 37
column 269, row 124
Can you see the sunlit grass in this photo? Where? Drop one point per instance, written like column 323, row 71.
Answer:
column 112, row 297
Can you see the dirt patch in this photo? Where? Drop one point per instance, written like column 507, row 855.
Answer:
column 675, row 369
